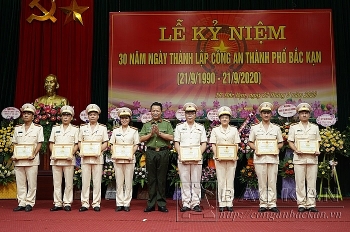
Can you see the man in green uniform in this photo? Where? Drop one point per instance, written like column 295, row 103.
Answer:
column 157, row 135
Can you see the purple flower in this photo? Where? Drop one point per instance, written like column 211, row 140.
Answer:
column 203, row 104
column 216, row 104
column 136, row 104
column 167, row 105
column 121, row 104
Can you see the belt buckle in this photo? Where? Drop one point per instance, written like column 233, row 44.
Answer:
column 157, row 149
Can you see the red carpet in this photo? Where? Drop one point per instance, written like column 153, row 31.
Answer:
column 333, row 216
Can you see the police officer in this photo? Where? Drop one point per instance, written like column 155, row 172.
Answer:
column 266, row 165
column 26, row 170
column 157, row 135
column 225, row 169
column 66, row 133
column 190, row 133
column 124, row 168
column 305, row 165
column 92, row 165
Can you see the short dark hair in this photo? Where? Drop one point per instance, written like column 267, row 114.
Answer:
column 157, row 104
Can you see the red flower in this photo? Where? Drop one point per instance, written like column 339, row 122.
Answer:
column 53, row 111
column 53, row 118
column 44, row 117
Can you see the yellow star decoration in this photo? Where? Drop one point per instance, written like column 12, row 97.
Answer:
column 73, row 12
column 221, row 48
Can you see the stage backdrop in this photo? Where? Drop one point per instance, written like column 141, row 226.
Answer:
column 229, row 58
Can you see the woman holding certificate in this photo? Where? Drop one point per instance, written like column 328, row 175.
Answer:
column 27, row 139
column 93, row 139
column 305, row 159
column 225, row 140
column 63, row 145
column 124, row 141
column 266, row 139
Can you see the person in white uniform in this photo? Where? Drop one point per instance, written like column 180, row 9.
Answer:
column 190, row 133
column 266, row 165
column 305, row 165
column 92, row 165
column 124, row 168
column 26, row 170
column 225, row 134
column 66, row 134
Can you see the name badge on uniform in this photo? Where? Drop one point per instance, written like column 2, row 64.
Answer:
column 184, row 128
column 118, row 134
column 58, row 131
column 86, row 132
column 19, row 133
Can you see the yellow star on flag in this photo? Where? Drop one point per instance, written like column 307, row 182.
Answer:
column 73, row 12
column 221, row 48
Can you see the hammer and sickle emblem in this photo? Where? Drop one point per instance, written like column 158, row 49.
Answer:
column 47, row 14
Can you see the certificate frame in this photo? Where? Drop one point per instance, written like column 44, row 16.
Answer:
column 90, row 148
column 226, row 151
column 122, row 151
column 190, row 153
column 23, row 151
column 308, row 146
column 266, row 147
column 62, row 151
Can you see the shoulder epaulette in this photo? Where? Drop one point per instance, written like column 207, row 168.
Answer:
column 37, row 125
column 18, row 125
column 55, row 125
column 84, row 124
column 255, row 124
column 116, row 126
column 74, row 126
column 276, row 124
column 135, row 128
column 294, row 124
column 313, row 123
column 102, row 125
column 200, row 123
column 216, row 126
column 179, row 123
column 233, row 126
column 166, row 120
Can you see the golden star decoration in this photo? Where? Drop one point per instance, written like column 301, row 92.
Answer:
column 74, row 12
column 221, row 48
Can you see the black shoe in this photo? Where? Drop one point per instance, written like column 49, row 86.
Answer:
column 274, row 209
column 221, row 209
column 97, row 209
column 149, row 209
column 230, row 209
column 127, row 208
column 67, row 208
column 262, row 209
column 19, row 208
column 301, row 209
column 55, row 208
column 163, row 209
column 82, row 209
column 197, row 208
column 313, row 209
column 28, row 208
column 118, row 208
column 184, row 209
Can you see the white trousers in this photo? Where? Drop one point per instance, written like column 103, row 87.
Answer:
column 306, row 197
column 88, row 170
column 225, row 173
column 26, row 194
column 57, row 173
column 190, row 175
column 124, row 173
column 267, row 180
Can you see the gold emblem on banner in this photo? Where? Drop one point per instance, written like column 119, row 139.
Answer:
column 74, row 12
column 47, row 14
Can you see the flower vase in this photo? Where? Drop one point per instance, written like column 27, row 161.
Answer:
column 251, row 193
column 111, row 191
column 142, row 192
column 177, row 194
column 288, row 188
column 8, row 191
column 250, row 162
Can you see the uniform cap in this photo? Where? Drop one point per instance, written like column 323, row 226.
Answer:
column 67, row 109
column 124, row 111
column 265, row 106
column 93, row 108
column 224, row 110
column 304, row 107
column 28, row 108
column 190, row 107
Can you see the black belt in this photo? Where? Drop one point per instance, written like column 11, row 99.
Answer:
column 158, row 148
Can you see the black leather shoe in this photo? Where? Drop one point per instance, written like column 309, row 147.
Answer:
column 149, row 209
column 118, row 208
column 301, row 209
column 313, row 209
column 184, row 209
column 19, row 208
column 67, row 208
column 262, row 209
column 230, row 209
column 55, row 208
column 28, row 208
column 274, row 209
column 82, row 209
column 127, row 208
column 221, row 209
column 97, row 209
column 197, row 208
column 163, row 209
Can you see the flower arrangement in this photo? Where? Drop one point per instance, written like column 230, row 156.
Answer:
column 332, row 142
column 6, row 146
column 286, row 168
column 77, row 180
column 140, row 176
column 324, row 170
column 108, row 173
column 208, row 178
column 7, row 173
column 244, row 149
column 173, row 176
column 249, row 176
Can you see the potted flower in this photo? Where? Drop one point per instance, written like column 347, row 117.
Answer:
column 174, row 178
column 248, row 175
column 286, row 170
column 108, row 174
column 140, row 177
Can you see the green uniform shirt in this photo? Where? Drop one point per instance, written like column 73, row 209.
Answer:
column 156, row 141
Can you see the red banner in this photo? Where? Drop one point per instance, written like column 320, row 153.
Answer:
column 230, row 57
